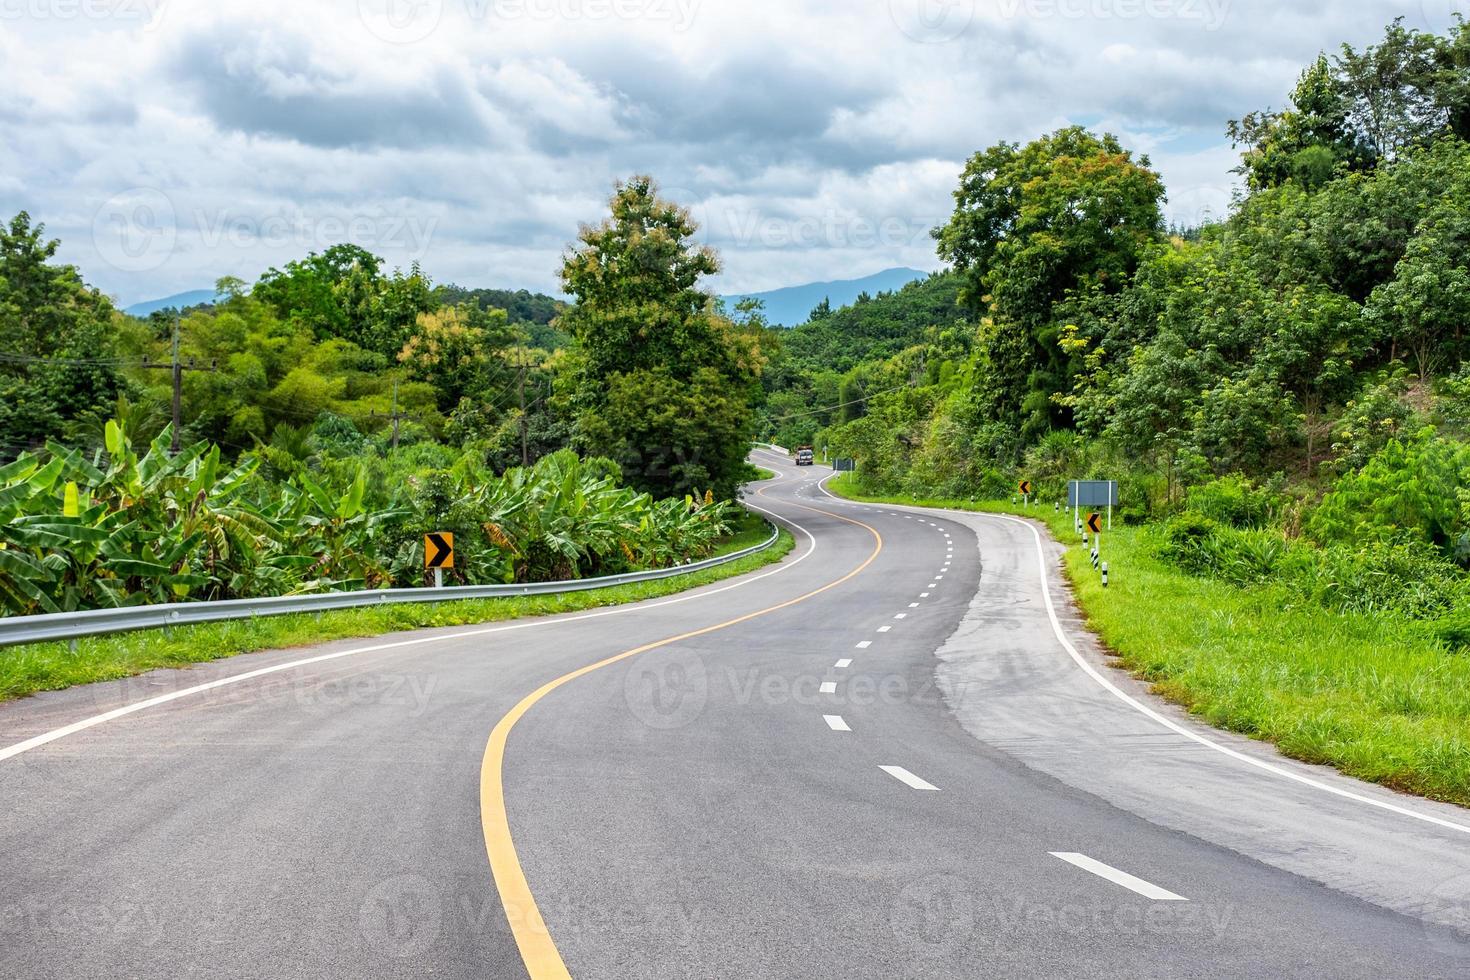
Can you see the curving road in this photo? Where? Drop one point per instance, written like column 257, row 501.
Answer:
column 895, row 754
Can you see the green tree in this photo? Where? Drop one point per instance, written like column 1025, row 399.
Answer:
column 342, row 293
column 643, row 325
column 58, row 358
column 1425, row 308
column 1069, row 212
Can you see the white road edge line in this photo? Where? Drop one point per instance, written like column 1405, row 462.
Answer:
column 20, row 748
column 909, row 779
column 1132, row 702
column 1144, row 888
column 836, row 723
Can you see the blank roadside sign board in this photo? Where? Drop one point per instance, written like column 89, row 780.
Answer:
column 1092, row 493
column 845, row 466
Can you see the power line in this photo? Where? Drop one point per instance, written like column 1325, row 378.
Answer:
column 833, row 408
column 16, row 358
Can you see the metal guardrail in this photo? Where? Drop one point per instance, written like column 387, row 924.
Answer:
column 16, row 630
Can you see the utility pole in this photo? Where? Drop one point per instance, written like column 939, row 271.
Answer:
column 396, row 417
column 525, row 436
column 176, row 367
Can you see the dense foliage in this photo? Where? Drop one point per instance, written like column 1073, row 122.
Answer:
column 128, row 528
column 333, row 413
column 664, row 382
column 1305, row 362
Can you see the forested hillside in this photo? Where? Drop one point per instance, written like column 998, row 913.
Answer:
column 1312, row 348
column 332, row 413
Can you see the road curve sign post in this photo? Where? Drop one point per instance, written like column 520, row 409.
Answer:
column 439, row 554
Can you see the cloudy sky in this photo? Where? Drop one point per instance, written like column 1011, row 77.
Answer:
column 171, row 142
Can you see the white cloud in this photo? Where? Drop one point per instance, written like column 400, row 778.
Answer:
column 818, row 139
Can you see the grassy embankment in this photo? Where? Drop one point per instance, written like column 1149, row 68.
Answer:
column 1378, row 697
column 53, row 666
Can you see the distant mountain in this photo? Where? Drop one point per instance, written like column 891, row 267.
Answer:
column 196, row 297
column 792, row 306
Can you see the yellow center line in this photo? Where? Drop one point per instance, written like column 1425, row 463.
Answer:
column 538, row 951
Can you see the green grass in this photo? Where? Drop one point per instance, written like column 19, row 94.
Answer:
column 1377, row 697
column 747, row 531
column 27, row 670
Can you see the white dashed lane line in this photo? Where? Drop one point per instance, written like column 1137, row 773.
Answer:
column 913, row 605
column 865, row 644
column 902, row 616
column 829, row 688
column 836, row 723
column 843, row 664
column 885, row 629
column 909, row 779
column 1144, row 888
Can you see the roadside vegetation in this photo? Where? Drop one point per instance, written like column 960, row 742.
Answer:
column 28, row 670
column 1283, row 395
column 332, row 415
column 1346, row 673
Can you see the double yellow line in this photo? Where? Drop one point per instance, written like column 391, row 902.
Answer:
column 538, row 950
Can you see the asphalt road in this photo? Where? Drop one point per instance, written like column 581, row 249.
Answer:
column 882, row 758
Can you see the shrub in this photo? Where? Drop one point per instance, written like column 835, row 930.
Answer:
column 1233, row 501
column 1404, row 576
column 1190, row 543
column 1409, row 487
